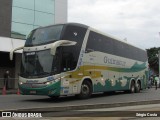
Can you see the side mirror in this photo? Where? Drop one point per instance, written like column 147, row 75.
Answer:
column 12, row 51
column 61, row 43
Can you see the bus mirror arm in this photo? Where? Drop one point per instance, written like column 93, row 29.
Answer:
column 61, row 43
column 15, row 49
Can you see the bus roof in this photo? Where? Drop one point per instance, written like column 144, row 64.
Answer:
column 74, row 24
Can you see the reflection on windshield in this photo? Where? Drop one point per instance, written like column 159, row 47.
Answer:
column 44, row 35
column 37, row 64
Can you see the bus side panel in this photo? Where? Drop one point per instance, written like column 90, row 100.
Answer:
column 111, row 82
column 114, row 79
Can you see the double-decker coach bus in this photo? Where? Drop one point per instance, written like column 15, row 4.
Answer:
column 75, row 59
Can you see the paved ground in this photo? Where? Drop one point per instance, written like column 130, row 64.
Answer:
column 20, row 101
column 13, row 101
column 140, row 108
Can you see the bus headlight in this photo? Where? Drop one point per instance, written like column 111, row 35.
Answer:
column 53, row 81
column 48, row 83
column 20, row 83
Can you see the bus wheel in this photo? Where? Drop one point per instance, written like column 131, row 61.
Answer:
column 86, row 90
column 138, row 87
column 132, row 88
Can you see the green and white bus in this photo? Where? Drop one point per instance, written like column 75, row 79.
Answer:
column 75, row 59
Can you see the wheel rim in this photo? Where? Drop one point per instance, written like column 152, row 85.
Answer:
column 85, row 89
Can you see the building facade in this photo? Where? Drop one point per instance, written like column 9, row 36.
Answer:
column 17, row 19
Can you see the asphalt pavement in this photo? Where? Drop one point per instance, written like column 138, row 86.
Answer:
column 14, row 101
column 113, row 102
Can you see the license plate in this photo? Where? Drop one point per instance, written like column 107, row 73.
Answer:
column 33, row 92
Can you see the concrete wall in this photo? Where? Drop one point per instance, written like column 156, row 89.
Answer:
column 5, row 17
column 61, row 11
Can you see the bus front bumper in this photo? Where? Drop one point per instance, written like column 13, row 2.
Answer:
column 49, row 90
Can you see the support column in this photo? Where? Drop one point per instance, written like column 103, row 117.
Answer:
column 18, row 57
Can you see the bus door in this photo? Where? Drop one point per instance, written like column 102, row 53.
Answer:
column 68, row 65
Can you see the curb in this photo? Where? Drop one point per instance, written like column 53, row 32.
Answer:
column 86, row 106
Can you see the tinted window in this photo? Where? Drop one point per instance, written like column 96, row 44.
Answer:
column 18, row 30
column 69, row 58
column 21, row 15
column 45, row 6
column 38, row 64
column 74, row 33
column 39, row 18
column 29, row 4
column 31, row 13
column 70, row 54
column 44, row 35
column 98, row 42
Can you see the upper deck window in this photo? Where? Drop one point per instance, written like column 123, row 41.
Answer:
column 44, row 35
column 74, row 33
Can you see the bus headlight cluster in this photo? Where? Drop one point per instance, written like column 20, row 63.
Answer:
column 53, row 81
column 48, row 83
column 20, row 83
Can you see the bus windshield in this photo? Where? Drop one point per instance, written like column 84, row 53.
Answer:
column 44, row 35
column 38, row 64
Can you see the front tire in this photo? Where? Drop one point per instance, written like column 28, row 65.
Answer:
column 86, row 90
column 132, row 87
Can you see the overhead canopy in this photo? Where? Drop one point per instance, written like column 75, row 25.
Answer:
column 7, row 44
